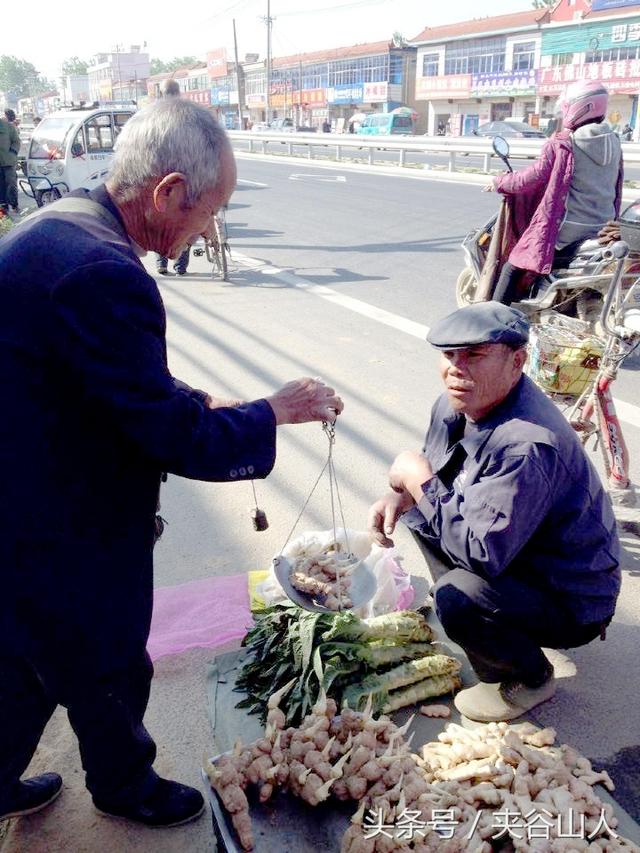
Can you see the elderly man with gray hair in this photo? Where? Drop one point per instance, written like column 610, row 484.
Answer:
column 91, row 419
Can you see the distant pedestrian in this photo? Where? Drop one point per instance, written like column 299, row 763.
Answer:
column 326, row 126
column 9, row 148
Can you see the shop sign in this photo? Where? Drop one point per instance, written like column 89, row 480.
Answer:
column 217, row 63
column 503, row 85
column 621, row 76
column 200, row 96
column 446, row 86
column 345, row 94
column 219, row 96
column 375, row 92
column 591, row 36
column 256, row 100
column 313, row 97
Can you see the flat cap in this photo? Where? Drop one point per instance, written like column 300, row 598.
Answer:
column 480, row 323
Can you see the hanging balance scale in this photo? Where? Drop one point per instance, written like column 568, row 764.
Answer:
column 330, row 578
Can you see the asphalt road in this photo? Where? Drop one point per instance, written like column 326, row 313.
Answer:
column 335, row 273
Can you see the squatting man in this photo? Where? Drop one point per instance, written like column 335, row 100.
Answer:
column 511, row 516
column 91, row 417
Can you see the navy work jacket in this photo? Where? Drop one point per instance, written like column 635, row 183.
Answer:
column 524, row 498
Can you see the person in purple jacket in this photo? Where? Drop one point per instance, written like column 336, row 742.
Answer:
column 573, row 189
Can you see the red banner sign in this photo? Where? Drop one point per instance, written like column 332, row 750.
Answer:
column 200, row 96
column 620, row 76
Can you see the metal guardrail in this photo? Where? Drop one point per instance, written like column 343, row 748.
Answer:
column 403, row 145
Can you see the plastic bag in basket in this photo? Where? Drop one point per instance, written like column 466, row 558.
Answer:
column 562, row 358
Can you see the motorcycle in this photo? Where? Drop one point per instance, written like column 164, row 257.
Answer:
column 576, row 289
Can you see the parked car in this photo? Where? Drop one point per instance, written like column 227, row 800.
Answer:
column 282, row 125
column 260, row 127
column 508, row 128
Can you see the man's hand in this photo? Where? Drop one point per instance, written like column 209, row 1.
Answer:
column 220, row 403
column 305, row 400
column 384, row 514
column 408, row 473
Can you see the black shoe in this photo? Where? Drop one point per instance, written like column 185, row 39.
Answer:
column 164, row 271
column 32, row 795
column 167, row 804
column 181, row 272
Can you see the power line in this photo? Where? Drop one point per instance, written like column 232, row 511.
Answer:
column 339, row 8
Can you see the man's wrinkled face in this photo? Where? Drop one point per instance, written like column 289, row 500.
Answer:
column 182, row 224
column 478, row 378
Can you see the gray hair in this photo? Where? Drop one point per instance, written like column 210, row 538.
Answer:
column 170, row 135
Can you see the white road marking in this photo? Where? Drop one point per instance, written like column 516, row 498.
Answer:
column 627, row 412
column 326, row 178
column 251, row 183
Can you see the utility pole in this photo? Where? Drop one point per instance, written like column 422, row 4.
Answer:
column 239, row 78
column 269, row 22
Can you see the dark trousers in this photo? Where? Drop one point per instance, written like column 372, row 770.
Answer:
column 507, row 288
column 10, row 185
column 105, row 711
column 4, row 202
column 502, row 623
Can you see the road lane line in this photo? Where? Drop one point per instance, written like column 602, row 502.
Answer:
column 251, row 183
column 627, row 412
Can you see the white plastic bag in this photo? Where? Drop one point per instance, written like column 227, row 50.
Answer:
column 393, row 585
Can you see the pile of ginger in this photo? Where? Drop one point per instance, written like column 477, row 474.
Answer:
column 469, row 774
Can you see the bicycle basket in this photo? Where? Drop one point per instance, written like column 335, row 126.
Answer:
column 564, row 355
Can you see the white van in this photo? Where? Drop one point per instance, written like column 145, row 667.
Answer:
column 71, row 149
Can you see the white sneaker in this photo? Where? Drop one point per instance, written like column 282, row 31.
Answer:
column 494, row 703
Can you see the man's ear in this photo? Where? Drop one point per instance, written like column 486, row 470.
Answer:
column 520, row 357
column 169, row 194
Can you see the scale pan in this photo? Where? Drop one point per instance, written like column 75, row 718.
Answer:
column 361, row 591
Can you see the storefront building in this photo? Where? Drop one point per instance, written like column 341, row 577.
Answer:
column 341, row 83
column 478, row 71
column 602, row 46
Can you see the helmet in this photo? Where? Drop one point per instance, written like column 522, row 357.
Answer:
column 582, row 102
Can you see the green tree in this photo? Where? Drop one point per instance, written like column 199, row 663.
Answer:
column 398, row 40
column 544, row 4
column 160, row 66
column 74, row 66
column 20, row 78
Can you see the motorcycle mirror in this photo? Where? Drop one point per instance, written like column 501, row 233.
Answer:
column 501, row 147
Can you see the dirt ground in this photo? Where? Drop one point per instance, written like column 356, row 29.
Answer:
column 177, row 717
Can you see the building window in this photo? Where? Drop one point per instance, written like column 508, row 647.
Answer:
column 430, row 64
column 524, row 54
column 562, row 59
column 475, row 56
column 614, row 54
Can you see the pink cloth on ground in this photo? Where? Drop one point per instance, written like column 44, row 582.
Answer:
column 200, row 614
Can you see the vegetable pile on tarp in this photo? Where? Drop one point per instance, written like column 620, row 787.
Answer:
column 390, row 658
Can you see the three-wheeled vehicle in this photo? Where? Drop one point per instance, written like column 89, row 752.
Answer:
column 71, row 149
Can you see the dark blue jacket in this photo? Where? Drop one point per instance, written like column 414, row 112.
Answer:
column 89, row 418
column 527, row 500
